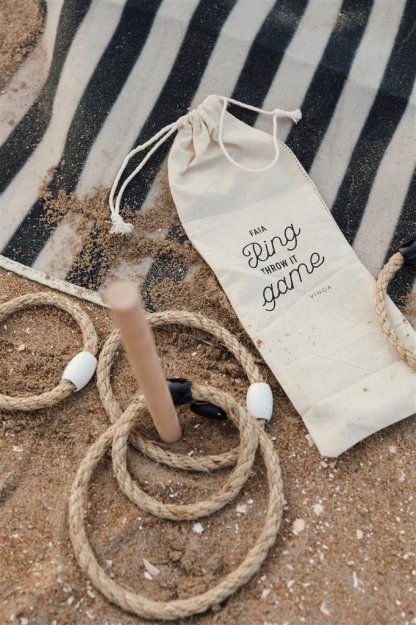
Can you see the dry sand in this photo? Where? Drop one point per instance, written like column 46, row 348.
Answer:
column 20, row 26
column 354, row 562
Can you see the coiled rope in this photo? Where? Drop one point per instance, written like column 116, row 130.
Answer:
column 113, row 409
column 385, row 276
column 124, row 431
column 65, row 388
column 252, row 435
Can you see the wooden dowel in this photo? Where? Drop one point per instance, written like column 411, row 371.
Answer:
column 128, row 313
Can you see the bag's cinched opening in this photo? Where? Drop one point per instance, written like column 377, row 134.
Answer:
column 119, row 226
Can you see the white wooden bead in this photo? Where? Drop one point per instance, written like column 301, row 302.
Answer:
column 259, row 400
column 80, row 369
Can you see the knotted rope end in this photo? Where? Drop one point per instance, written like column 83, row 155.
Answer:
column 296, row 115
column 119, row 225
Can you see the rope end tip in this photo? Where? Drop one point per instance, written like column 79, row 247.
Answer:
column 120, row 226
column 297, row 115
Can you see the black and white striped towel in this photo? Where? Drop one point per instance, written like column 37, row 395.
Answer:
column 107, row 74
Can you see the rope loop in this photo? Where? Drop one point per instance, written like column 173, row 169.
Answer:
column 295, row 116
column 113, row 409
column 121, row 432
column 252, row 434
column 231, row 486
column 124, row 431
column 387, row 273
column 65, row 388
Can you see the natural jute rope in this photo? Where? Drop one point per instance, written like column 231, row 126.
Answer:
column 121, row 433
column 384, row 277
column 112, row 407
column 64, row 388
column 228, row 491
column 117, row 435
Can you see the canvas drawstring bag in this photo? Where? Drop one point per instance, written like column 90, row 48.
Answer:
column 295, row 283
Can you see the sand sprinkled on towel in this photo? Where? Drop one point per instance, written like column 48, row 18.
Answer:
column 20, row 26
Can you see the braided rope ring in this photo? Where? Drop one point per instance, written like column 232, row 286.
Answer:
column 138, row 604
column 231, row 486
column 386, row 274
column 65, row 388
column 113, row 409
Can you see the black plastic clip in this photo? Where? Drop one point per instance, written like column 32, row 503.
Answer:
column 408, row 251
column 181, row 392
column 206, row 409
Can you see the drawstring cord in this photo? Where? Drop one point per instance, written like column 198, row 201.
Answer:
column 293, row 115
column 119, row 226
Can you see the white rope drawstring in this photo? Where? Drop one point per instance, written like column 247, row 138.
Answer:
column 119, row 226
column 295, row 115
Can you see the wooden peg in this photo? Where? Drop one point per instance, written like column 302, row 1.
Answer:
column 128, row 313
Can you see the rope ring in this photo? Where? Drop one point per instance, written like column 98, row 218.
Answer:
column 65, row 387
column 181, row 608
column 386, row 274
column 113, row 409
column 231, row 486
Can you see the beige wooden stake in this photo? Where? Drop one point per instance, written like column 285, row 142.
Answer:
column 128, row 313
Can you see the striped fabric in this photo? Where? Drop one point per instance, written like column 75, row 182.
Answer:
column 113, row 72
